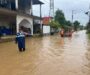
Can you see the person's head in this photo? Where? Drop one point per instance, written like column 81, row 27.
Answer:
column 20, row 30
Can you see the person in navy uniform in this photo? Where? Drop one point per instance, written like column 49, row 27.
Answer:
column 20, row 39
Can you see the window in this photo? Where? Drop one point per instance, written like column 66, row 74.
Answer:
column 3, row 1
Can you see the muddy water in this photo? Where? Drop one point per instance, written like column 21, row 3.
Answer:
column 50, row 55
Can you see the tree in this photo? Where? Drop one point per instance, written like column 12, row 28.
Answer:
column 81, row 27
column 76, row 25
column 60, row 18
column 68, row 23
column 88, row 27
column 54, row 24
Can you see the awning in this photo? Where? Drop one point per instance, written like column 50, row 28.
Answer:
column 37, row 2
column 34, row 2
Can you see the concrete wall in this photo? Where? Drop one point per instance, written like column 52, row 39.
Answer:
column 24, row 21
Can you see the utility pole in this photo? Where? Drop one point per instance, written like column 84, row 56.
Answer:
column 72, row 16
column 88, row 25
column 31, row 7
column 89, row 13
column 51, row 12
column 41, row 27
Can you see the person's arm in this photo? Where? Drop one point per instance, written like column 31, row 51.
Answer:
column 26, row 34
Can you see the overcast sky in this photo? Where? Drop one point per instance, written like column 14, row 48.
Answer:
column 79, row 7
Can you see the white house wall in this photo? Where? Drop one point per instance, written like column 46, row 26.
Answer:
column 16, row 2
column 46, row 29
column 20, row 18
column 25, row 23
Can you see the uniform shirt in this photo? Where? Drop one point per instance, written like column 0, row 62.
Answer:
column 20, row 38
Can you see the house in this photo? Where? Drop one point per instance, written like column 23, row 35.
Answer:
column 37, row 22
column 15, row 14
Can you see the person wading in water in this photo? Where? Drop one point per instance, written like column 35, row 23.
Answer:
column 62, row 33
column 20, row 39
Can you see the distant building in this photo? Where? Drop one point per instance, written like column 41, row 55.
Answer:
column 46, row 26
column 15, row 14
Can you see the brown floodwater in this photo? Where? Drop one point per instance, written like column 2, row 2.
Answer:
column 49, row 55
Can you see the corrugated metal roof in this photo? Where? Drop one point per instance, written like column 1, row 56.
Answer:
column 34, row 2
column 37, row 2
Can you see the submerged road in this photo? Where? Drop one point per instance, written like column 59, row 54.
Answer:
column 49, row 55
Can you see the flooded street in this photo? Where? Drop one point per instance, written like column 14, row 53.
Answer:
column 50, row 55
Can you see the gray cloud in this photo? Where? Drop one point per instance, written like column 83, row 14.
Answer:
column 79, row 7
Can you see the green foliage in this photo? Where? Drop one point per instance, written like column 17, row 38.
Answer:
column 81, row 27
column 76, row 25
column 88, row 27
column 54, row 24
column 68, row 23
column 60, row 18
